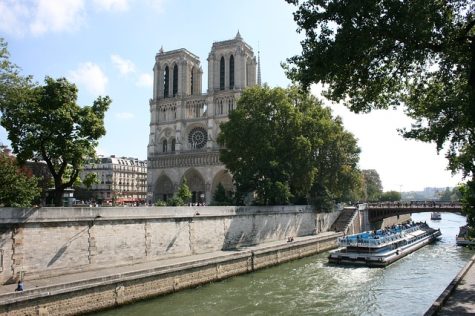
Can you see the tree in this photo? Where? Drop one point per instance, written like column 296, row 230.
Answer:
column 283, row 145
column 18, row 188
column 220, row 197
column 45, row 122
column 450, row 195
column 390, row 196
column 373, row 185
column 468, row 204
column 380, row 54
column 184, row 193
column 82, row 187
column 338, row 178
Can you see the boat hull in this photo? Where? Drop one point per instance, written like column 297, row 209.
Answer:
column 435, row 216
column 383, row 259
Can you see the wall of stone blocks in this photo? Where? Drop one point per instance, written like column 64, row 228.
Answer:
column 38, row 243
column 111, row 293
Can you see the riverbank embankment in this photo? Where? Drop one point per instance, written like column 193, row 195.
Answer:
column 46, row 242
column 459, row 296
column 90, row 291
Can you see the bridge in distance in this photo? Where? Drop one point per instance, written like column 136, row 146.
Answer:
column 379, row 211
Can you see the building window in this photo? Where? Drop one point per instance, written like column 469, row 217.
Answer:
column 231, row 72
column 173, row 144
column 221, row 74
column 166, row 78
column 175, row 80
column 192, row 79
column 165, row 145
column 197, row 137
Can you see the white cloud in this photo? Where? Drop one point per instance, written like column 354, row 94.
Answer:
column 124, row 115
column 14, row 15
column 145, row 80
column 57, row 16
column 112, row 5
column 40, row 16
column 402, row 164
column 37, row 17
column 91, row 77
column 125, row 66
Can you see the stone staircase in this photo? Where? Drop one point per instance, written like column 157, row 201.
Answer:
column 344, row 220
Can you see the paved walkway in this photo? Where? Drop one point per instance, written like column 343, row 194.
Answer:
column 459, row 296
column 457, row 299
column 60, row 282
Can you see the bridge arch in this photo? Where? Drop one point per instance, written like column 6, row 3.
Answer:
column 379, row 211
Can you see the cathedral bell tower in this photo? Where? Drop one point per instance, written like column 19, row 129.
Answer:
column 176, row 73
column 231, row 65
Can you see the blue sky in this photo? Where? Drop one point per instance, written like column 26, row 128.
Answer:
column 107, row 47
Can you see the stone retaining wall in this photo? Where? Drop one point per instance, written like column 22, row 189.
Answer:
column 38, row 243
column 107, row 292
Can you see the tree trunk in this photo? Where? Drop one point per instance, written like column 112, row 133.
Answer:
column 58, row 197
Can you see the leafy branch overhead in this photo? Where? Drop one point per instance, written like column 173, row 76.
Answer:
column 379, row 54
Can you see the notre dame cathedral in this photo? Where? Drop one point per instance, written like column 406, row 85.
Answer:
column 185, row 123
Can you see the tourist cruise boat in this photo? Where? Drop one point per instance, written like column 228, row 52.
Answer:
column 382, row 247
column 435, row 216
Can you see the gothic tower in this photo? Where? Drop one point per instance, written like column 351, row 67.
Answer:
column 184, row 123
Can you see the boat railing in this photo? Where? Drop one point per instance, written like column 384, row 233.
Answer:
column 369, row 239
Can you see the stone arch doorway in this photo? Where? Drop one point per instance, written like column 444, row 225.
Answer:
column 225, row 178
column 196, row 184
column 163, row 188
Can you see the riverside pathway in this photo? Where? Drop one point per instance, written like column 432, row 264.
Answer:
column 459, row 296
column 60, row 283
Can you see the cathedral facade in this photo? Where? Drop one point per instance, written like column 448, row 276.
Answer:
column 185, row 123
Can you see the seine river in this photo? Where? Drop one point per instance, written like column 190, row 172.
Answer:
column 310, row 286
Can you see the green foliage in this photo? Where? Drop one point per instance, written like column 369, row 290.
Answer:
column 90, row 179
column 450, row 195
column 12, row 83
column 17, row 188
column 380, row 54
column 390, row 196
column 82, row 187
column 184, row 194
column 220, row 197
column 373, row 185
column 46, row 122
column 175, row 201
column 160, row 203
column 467, row 191
column 280, row 143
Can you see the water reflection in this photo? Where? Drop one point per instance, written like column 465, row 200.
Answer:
column 312, row 287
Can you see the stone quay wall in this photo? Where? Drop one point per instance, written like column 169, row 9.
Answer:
column 107, row 292
column 37, row 243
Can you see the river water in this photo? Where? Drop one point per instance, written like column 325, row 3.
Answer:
column 310, row 286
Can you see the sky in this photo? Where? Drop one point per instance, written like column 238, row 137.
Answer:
column 108, row 47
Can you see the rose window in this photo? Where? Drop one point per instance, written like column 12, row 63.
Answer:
column 198, row 137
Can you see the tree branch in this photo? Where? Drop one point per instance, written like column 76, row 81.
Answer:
column 48, row 162
column 468, row 27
